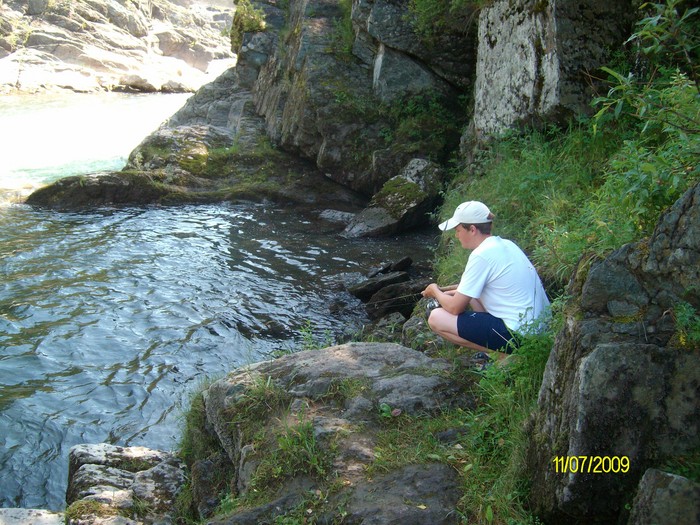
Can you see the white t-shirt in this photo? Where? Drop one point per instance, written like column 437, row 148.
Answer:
column 501, row 276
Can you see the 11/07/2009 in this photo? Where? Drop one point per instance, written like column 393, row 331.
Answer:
column 591, row 464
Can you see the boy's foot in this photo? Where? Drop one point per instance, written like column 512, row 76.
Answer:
column 480, row 361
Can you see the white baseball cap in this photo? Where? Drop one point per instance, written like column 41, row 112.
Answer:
column 470, row 212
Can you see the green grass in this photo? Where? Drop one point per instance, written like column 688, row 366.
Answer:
column 489, row 449
column 294, row 452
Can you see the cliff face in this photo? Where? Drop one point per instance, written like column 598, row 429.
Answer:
column 92, row 45
column 333, row 107
column 538, row 61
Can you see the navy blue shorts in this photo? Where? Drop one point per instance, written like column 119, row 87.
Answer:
column 485, row 330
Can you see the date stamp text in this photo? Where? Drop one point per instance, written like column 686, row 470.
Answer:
column 591, row 464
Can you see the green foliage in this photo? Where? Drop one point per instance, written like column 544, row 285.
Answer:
column 140, row 509
column 496, row 475
column 687, row 326
column 261, row 397
column 310, row 341
column 426, row 123
column 405, row 440
column 686, row 465
column 671, row 35
column 660, row 92
column 247, row 19
column 345, row 389
column 196, row 443
column 343, row 35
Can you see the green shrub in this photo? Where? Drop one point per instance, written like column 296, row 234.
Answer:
column 687, row 326
column 343, row 35
column 247, row 19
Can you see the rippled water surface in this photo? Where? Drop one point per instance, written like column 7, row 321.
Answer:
column 109, row 319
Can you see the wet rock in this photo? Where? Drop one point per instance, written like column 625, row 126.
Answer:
column 366, row 289
column 401, row 297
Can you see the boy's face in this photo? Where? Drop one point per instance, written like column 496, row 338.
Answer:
column 465, row 236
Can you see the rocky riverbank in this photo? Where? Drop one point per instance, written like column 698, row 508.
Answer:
column 301, row 433
column 308, row 434
column 86, row 46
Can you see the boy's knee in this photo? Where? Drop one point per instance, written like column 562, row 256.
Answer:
column 432, row 319
column 436, row 320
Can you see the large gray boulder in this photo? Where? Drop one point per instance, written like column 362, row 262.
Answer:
column 337, row 391
column 536, row 60
column 620, row 382
column 665, row 499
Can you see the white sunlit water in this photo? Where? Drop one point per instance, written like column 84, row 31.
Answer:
column 49, row 136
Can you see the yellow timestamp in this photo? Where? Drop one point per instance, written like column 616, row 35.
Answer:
column 591, row 464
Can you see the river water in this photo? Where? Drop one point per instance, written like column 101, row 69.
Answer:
column 111, row 318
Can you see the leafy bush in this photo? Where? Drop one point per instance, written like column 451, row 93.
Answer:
column 687, row 326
